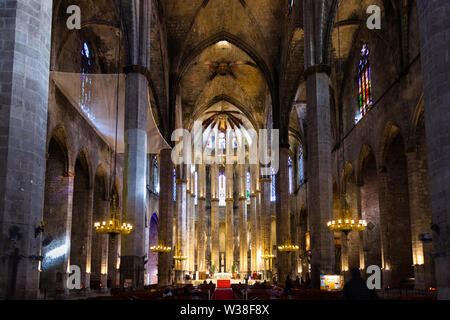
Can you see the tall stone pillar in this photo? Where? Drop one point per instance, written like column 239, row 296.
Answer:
column 243, row 250
column 283, row 233
column 384, row 234
column 201, row 234
column 24, row 87
column 192, row 234
column 135, row 172
column 420, row 224
column 266, row 245
column 229, row 218
column 215, row 217
column 180, row 245
column 434, row 35
column 188, row 220
column 259, row 227
column 319, row 167
column 166, row 213
column 252, row 215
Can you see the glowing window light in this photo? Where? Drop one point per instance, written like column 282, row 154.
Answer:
column 248, row 186
column 290, row 175
column 364, row 84
column 86, row 82
column 273, row 196
column 57, row 252
column 222, row 190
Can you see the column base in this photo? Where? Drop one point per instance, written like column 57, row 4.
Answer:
column 131, row 272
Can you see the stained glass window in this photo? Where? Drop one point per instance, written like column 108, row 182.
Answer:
column 290, row 175
column 301, row 172
column 174, row 185
column 365, row 83
column 273, row 196
column 248, row 186
column 291, row 5
column 195, row 187
column 222, row 141
column 86, row 81
column 155, row 175
column 222, row 190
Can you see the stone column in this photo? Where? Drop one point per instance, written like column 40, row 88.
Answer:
column 229, row 218
column 252, row 216
column 420, row 224
column 180, row 224
column 319, row 167
column 135, row 173
column 434, row 35
column 243, row 250
column 192, row 234
column 188, row 219
column 384, row 234
column 24, row 84
column 166, row 213
column 215, row 216
column 283, row 234
column 265, row 182
column 259, row 227
column 201, row 230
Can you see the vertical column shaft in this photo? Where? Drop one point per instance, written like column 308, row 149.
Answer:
column 434, row 35
column 319, row 165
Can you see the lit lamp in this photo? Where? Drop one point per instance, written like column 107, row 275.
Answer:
column 113, row 225
column 288, row 247
column 346, row 223
column 161, row 248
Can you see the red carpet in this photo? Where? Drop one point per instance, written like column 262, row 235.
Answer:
column 223, row 291
column 223, row 284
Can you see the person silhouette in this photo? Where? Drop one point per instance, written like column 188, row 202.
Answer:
column 356, row 288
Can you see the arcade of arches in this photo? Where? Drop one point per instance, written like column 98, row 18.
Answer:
column 357, row 119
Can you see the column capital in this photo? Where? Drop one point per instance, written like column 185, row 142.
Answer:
column 214, row 200
column 242, row 198
column 201, row 198
column 318, row 68
column 253, row 195
column 262, row 180
column 180, row 181
column 229, row 200
column 258, row 192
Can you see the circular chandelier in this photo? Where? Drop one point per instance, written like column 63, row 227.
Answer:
column 288, row 247
column 113, row 225
column 161, row 248
column 346, row 223
column 267, row 256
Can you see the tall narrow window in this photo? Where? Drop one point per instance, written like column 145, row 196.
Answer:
column 174, row 185
column 273, row 196
column 364, row 83
column 222, row 141
column 248, row 186
column 301, row 172
column 155, row 175
column 222, row 190
column 291, row 5
column 195, row 187
column 290, row 175
column 86, row 81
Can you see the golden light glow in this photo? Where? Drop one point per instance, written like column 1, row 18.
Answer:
column 113, row 226
column 161, row 248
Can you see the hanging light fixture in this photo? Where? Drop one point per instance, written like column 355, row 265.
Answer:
column 288, row 247
column 161, row 248
column 113, row 225
column 344, row 222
